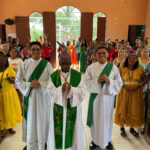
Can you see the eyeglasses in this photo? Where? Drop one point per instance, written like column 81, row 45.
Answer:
column 35, row 49
column 102, row 53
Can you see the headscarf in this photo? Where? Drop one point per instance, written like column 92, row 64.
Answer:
column 131, row 52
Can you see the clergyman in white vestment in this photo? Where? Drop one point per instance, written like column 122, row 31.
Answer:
column 103, row 81
column 67, row 91
column 32, row 79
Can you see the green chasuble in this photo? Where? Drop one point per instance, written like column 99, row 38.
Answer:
column 34, row 76
column 107, row 70
column 75, row 78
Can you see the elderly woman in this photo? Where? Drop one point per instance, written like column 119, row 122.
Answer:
column 145, row 57
column 130, row 103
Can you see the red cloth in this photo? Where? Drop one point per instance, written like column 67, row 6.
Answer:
column 110, row 52
column 46, row 51
column 114, row 54
column 74, row 54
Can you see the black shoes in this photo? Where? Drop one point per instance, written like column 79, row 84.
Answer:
column 93, row 145
column 133, row 132
column 45, row 146
column 25, row 148
column 109, row 146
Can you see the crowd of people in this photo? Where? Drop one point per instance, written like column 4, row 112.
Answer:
column 48, row 103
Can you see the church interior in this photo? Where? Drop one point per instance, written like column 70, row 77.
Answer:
column 63, row 20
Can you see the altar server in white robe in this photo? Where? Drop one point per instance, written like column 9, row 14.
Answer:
column 103, row 81
column 32, row 79
column 67, row 91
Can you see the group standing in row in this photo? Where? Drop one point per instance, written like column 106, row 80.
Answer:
column 52, row 111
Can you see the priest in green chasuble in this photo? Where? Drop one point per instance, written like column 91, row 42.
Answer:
column 67, row 91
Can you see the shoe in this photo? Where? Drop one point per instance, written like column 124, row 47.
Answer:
column 25, row 148
column 123, row 132
column 133, row 132
column 45, row 146
column 11, row 131
column 93, row 145
column 109, row 146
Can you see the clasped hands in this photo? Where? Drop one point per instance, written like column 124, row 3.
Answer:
column 35, row 84
column 66, row 87
column 103, row 78
column 131, row 88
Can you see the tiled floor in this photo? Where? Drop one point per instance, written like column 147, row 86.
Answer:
column 129, row 143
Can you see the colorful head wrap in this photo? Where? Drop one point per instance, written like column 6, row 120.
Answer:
column 131, row 52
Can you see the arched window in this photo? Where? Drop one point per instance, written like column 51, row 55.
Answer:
column 36, row 26
column 67, row 23
column 95, row 20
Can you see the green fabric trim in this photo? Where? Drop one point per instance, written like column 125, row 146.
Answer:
column 57, row 114
column 75, row 78
column 34, row 76
column 58, row 125
column 70, row 124
column 82, row 59
column 90, row 108
column 56, row 79
column 107, row 71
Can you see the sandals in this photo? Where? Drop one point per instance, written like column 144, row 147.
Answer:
column 123, row 132
column 11, row 131
column 133, row 132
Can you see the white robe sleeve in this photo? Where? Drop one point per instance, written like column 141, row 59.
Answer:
column 78, row 94
column 115, row 83
column 55, row 94
column 91, row 84
column 23, row 85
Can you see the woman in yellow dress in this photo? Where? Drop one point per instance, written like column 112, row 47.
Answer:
column 10, row 109
column 68, row 48
column 130, row 103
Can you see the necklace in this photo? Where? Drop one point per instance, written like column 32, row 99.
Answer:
column 65, row 78
column 130, row 77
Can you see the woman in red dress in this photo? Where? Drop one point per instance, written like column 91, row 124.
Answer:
column 74, row 54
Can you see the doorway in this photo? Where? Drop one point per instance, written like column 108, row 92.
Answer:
column 136, row 31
